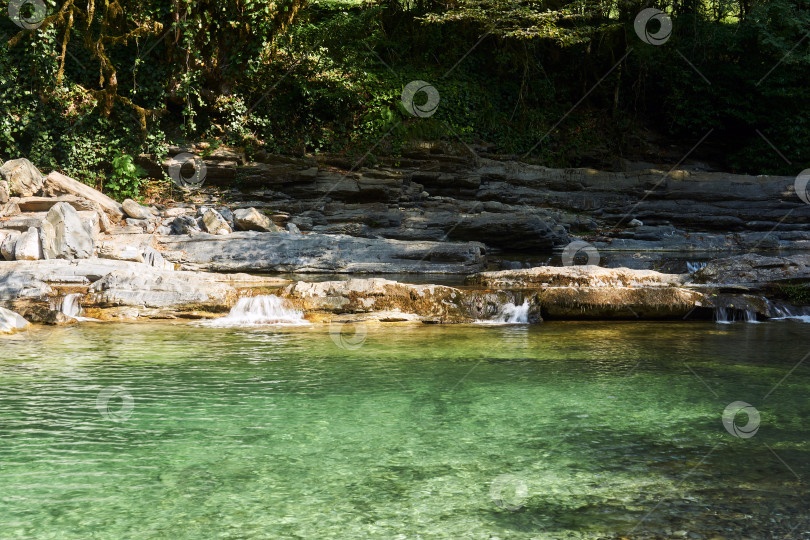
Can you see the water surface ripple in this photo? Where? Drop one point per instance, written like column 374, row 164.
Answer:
column 567, row 430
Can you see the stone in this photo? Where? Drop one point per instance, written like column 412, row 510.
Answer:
column 184, row 225
column 135, row 210
column 225, row 212
column 175, row 212
column 635, row 223
column 64, row 235
column 250, row 219
column 43, row 204
column 10, row 207
column 5, row 192
column 320, row 253
column 293, row 228
column 153, row 258
column 23, row 177
column 129, row 247
column 754, row 271
column 214, row 222
column 11, row 322
column 8, row 243
column 146, row 225
column 58, row 184
column 28, row 246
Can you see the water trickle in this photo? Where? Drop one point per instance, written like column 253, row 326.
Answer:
column 259, row 311
column 511, row 314
column 724, row 315
column 69, row 306
column 695, row 266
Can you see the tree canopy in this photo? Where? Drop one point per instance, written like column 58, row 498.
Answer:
column 569, row 82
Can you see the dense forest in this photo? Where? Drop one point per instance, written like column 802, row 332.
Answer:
column 89, row 85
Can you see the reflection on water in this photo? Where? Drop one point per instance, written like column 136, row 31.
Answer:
column 580, row 430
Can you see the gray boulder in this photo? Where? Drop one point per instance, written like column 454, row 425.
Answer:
column 135, row 210
column 225, row 212
column 64, row 236
column 22, row 177
column 28, row 246
column 11, row 322
column 214, row 223
column 250, row 219
column 184, row 225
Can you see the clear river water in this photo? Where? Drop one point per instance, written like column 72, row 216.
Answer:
column 556, row 430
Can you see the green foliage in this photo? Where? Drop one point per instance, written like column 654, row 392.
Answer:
column 291, row 78
column 796, row 293
column 126, row 177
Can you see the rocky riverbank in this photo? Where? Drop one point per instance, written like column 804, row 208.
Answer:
column 61, row 238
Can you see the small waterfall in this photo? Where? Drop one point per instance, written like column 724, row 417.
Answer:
column 693, row 267
column 785, row 311
column 724, row 315
column 70, row 307
column 259, row 311
column 511, row 314
column 721, row 315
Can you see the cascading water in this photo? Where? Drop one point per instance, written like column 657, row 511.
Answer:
column 69, row 306
column 784, row 311
column 693, row 267
column 724, row 315
column 259, row 311
column 511, row 314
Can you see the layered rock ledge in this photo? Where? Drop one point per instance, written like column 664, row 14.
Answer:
column 126, row 290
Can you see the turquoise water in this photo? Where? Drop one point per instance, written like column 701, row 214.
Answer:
column 569, row 430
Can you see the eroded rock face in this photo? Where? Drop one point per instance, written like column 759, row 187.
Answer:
column 22, row 177
column 754, row 270
column 5, row 193
column 593, row 292
column 250, row 219
column 574, row 276
column 64, row 236
column 11, row 322
column 107, row 285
